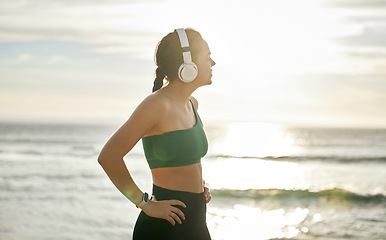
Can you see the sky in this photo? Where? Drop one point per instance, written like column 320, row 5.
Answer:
column 299, row 62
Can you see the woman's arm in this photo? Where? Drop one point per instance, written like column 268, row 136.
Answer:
column 143, row 119
column 124, row 139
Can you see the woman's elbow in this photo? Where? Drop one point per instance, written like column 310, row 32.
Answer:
column 103, row 158
column 108, row 157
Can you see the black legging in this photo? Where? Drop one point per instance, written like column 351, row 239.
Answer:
column 193, row 227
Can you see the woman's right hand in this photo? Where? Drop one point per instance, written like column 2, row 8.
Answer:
column 165, row 210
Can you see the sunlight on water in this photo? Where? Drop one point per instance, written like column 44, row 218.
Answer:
column 258, row 140
column 244, row 174
column 244, row 222
column 238, row 166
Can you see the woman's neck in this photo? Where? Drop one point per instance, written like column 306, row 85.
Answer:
column 179, row 90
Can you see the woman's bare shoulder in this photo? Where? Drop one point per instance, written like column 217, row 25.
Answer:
column 154, row 103
column 144, row 118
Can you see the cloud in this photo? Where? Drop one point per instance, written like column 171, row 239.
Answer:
column 362, row 30
column 61, row 107
column 111, row 27
column 374, row 36
column 366, row 53
column 368, row 4
column 24, row 57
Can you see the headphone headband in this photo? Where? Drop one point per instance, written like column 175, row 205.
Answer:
column 183, row 37
column 184, row 45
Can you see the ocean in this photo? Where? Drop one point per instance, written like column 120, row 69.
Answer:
column 267, row 182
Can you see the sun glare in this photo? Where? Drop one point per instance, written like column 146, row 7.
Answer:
column 258, row 140
column 253, row 223
column 253, row 174
column 266, row 47
column 295, row 37
column 238, row 151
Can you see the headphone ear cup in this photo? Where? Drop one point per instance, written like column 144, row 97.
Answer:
column 187, row 72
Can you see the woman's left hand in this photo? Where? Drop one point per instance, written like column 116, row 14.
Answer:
column 208, row 197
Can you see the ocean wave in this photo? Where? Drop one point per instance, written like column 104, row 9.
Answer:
column 311, row 158
column 52, row 140
column 47, row 176
column 334, row 194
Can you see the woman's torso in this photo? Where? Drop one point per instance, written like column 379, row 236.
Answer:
column 185, row 178
column 180, row 124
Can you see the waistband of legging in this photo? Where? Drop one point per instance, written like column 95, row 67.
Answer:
column 164, row 193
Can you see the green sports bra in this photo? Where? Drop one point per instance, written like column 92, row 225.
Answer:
column 176, row 148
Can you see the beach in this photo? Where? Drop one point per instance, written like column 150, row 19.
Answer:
column 267, row 182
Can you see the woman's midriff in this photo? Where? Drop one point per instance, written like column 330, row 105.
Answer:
column 185, row 178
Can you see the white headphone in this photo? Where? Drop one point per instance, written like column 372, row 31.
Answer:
column 188, row 70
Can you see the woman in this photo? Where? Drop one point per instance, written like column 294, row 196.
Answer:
column 174, row 143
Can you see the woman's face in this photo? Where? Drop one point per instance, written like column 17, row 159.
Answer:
column 204, row 63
